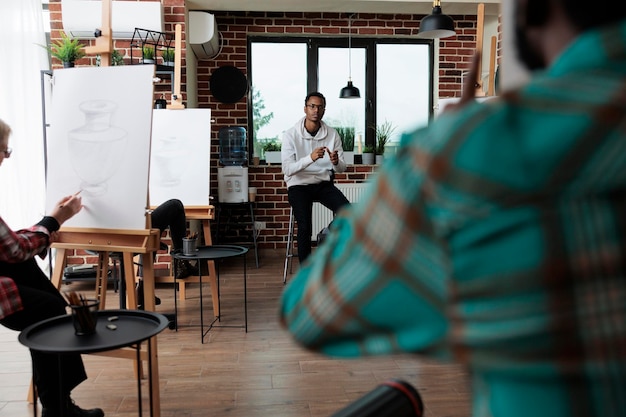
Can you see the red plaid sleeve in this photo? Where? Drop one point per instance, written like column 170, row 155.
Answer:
column 10, row 301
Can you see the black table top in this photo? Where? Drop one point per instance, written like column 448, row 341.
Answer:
column 214, row 252
column 56, row 335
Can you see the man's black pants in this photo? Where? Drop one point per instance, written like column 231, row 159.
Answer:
column 301, row 199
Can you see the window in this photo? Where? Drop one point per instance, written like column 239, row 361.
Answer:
column 275, row 89
column 333, row 76
column 403, row 88
column 396, row 87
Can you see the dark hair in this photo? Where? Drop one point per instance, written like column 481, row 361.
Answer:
column 587, row 15
column 580, row 12
column 314, row 94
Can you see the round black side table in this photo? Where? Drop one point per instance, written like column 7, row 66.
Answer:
column 114, row 329
column 215, row 253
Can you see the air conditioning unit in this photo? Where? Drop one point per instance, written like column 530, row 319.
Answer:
column 203, row 34
column 81, row 18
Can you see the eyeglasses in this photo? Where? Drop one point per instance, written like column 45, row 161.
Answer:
column 7, row 152
column 320, row 107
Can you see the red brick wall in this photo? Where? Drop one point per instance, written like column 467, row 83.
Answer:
column 272, row 206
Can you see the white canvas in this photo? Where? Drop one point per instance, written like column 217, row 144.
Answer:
column 98, row 143
column 180, row 156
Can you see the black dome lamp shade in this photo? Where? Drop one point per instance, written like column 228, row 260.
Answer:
column 436, row 25
column 350, row 91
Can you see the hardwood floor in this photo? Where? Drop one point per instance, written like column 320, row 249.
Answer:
column 236, row 374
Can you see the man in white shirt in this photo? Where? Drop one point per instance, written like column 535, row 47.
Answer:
column 311, row 153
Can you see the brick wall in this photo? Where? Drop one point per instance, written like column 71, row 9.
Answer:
column 272, row 206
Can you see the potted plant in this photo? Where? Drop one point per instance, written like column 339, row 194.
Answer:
column 147, row 53
column 67, row 50
column 168, row 57
column 347, row 143
column 368, row 154
column 383, row 133
column 272, row 149
column 117, row 59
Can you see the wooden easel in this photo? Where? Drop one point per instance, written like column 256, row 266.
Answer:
column 105, row 241
column 177, row 97
column 130, row 243
column 201, row 213
column 480, row 29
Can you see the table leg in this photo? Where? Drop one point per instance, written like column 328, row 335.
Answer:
column 34, row 389
column 256, row 252
column 201, row 306
column 208, row 240
column 139, row 396
column 245, row 292
column 151, row 371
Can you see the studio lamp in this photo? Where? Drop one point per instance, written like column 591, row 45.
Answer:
column 436, row 25
column 349, row 91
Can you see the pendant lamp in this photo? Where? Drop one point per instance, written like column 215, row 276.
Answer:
column 436, row 25
column 350, row 91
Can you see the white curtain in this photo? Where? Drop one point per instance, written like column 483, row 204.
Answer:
column 22, row 176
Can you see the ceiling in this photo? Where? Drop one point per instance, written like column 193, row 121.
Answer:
column 455, row 7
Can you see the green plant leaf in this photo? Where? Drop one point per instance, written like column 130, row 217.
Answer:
column 66, row 49
column 271, row 146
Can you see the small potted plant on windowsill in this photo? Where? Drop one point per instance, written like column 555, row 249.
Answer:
column 368, row 155
column 272, row 151
column 168, row 57
column 67, row 50
column 147, row 53
column 383, row 134
column 347, row 143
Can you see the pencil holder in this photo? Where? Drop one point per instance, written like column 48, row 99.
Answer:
column 189, row 246
column 85, row 317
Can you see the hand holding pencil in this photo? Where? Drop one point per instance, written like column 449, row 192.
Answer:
column 67, row 208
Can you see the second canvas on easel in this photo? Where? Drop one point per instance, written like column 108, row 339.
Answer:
column 180, row 156
column 98, row 143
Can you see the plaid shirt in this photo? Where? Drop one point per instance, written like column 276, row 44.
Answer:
column 18, row 247
column 496, row 238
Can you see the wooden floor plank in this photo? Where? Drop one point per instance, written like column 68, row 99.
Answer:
column 236, row 374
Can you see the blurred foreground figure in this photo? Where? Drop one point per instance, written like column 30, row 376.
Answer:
column 496, row 236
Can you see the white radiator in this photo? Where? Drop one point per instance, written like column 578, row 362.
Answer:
column 323, row 216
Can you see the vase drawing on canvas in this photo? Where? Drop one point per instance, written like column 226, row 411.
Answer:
column 97, row 148
column 171, row 159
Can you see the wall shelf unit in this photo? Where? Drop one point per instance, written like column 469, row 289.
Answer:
column 160, row 43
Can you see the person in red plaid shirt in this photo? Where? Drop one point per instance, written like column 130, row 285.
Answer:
column 27, row 296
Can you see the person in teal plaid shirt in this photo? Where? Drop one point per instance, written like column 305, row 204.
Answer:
column 496, row 236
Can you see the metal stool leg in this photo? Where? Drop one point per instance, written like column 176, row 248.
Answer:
column 289, row 252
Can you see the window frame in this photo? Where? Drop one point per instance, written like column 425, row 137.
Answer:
column 369, row 44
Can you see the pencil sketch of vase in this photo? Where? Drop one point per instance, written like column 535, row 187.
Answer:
column 97, row 148
column 171, row 158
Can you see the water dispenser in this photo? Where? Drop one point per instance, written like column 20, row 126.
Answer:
column 233, row 146
column 232, row 177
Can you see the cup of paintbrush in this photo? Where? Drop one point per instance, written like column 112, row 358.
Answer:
column 84, row 314
column 190, row 244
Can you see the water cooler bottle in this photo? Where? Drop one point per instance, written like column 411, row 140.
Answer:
column 232, row 177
